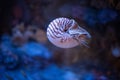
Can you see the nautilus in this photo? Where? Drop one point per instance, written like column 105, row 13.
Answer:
column 66, row 33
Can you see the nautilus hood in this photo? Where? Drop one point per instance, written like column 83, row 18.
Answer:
column 76, row 29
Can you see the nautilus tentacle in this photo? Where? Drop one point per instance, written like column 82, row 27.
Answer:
column 66, row 33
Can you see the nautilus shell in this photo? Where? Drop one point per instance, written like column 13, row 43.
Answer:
column 66, row 33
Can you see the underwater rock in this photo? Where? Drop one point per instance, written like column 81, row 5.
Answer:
column 35, row 49
column 6, row 45
column 70, row 76
column 1, row 56
column 18, row 38
column 8, row 58
column 11, row 61
column 89, row 76
column 40, row 36
column 52, row 72
column 6, row 40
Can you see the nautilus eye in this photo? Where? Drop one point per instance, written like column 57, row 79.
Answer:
column 66, row 33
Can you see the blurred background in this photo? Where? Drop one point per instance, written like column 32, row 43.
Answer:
column 26, row 53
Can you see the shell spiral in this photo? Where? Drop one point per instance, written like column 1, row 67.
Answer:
column 66, row 33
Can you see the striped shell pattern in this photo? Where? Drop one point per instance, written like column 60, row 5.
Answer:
column 66, row 33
